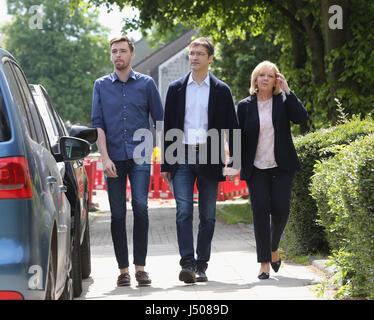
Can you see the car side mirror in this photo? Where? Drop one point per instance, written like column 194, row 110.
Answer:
column 72, row 149
column 86, row 133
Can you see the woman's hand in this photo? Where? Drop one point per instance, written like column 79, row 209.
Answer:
column 282, row 82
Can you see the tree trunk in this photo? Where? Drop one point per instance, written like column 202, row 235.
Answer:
column 336, row 36
column 299, row 57
column 315, row 38
column 299, row 53
column 297, row 33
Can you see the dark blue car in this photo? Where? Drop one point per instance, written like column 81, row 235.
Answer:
column 35, row 214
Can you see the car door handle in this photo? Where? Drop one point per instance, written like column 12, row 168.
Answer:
column 62, row 188
column 51, row 180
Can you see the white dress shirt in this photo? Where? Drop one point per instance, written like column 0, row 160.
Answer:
column 265, row 158
column 196, row 114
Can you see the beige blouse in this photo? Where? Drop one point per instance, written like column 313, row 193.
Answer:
column 265, row 158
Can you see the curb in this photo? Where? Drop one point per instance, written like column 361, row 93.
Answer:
column 321, row 265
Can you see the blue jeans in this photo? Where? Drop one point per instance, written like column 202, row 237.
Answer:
column 183, row 183
column 139, row 175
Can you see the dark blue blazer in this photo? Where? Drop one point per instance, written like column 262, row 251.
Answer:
column 221, row 116
column 286, row 108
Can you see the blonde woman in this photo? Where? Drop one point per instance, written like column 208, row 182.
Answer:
column 269, row 159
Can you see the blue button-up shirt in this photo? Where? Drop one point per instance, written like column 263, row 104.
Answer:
column 120, row 108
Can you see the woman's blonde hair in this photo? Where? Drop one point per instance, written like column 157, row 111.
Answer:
column 256, row 71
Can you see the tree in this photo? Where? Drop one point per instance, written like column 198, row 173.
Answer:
column 157, row 38
column 63, row 52
column 325, row 59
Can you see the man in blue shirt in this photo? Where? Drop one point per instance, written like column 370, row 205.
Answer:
column 122, row 103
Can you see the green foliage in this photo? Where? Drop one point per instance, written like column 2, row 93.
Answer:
column 156, row 38
column 302, row 83
column 317, row 80
column 65, row 56
column 343, row 189
column 357, row 78
column 303, row 233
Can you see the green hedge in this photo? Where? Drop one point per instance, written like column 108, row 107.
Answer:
column 343, row 188
column 303, row 235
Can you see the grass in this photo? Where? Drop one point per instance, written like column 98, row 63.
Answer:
column 235, row 213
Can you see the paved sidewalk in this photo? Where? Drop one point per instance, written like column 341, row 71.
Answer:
column 232, row 271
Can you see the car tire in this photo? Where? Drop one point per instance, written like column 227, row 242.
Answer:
column 76, row 270
column 51, row 276
column 67, row 294
column 86, row 252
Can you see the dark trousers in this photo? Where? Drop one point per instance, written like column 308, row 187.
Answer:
column 139, row 175
column 270, row 193
column 183, row 183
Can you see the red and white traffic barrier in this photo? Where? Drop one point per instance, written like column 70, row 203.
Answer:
column 158, row 188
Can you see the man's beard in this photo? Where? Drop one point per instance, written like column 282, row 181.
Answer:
column 121, row 67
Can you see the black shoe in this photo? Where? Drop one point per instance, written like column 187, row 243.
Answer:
column 143, row 278
column 123, row 280
column 187, row 275
column 276, row 265
column 201, row 275
column 263, row 276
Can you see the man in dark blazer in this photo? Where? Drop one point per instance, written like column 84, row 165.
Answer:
column 199, row 108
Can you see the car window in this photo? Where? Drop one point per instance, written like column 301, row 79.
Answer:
column 60, row 125
column 50, row 125
column 4, row 121
column 9, row 75
column 42, row 138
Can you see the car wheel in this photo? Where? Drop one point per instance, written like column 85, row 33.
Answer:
column 76, row 256
column 86, row 252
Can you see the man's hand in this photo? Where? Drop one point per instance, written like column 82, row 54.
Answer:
column 166, row 176
column 109, row 168
column 108, row 165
